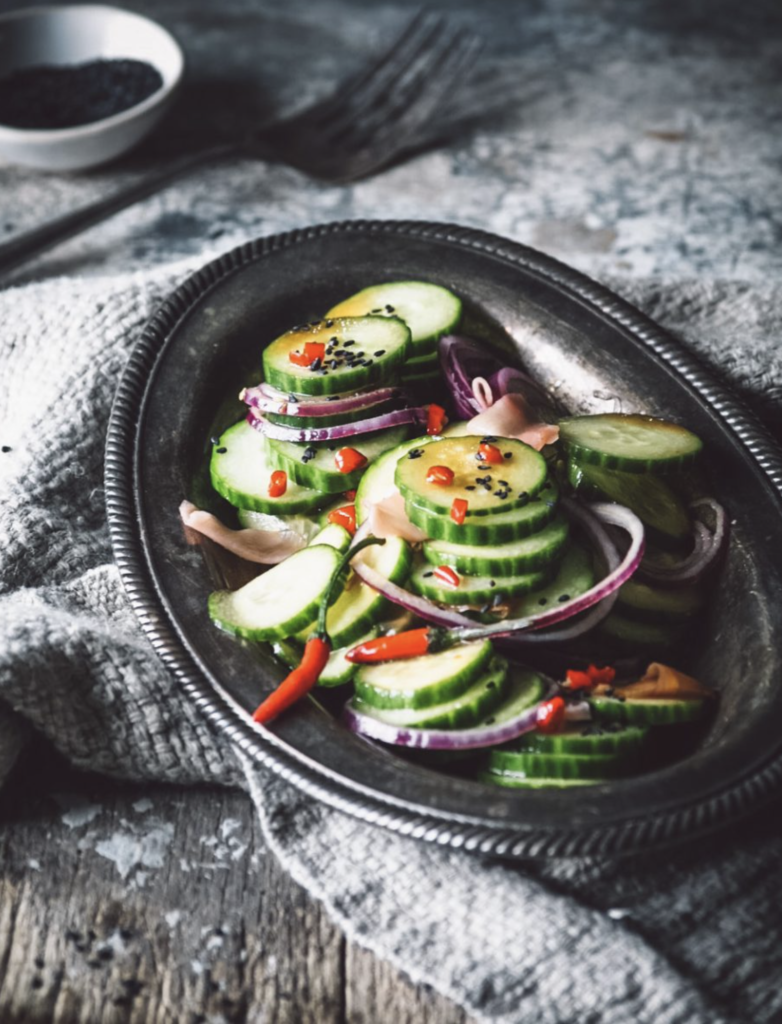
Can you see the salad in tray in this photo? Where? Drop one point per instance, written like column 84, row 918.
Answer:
column 469, row 571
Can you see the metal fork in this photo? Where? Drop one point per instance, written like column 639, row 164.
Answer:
column 377, row 116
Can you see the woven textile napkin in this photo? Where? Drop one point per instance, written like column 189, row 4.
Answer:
column 685, row 936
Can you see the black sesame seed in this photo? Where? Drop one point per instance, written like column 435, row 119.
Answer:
column 328, row 323
column 315, row 364
column 379, row 309
column 507, row 455
column 347, row 343
column 483, row 467
column 428, row 574
column 489, row 721
column 492, row 583
column 491, row 685
column 503, row 482
column 332, row 398
column 389, row 309
column 470, row 487
column 221, row 451
column 542, row 601
column 415, row 453
column 489, row 440
column 563, row 597
column 380, row 352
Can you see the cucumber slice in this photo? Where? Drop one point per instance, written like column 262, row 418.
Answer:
column 423, row 364
column 422, row 682
column 367, row 350
column 525, row 688
column 489, row 530
column 306, row 526
column 586, row 738
column 476, row 590
column 507, row 486
column 631, row 443
column 652, row 500
column 511, row 559
column 314, row 467
column 631, row 634
column 532, row 765
column 334, row 535
column 378, row 479
column 428, row 310
column 421, row 380
column 338, row 670
column 658, row 604
column 281, row 600
column 575, row 575
column 240, row 469
column 463, row 712
column 647, row 712
column 519, row 782
column 359, row 607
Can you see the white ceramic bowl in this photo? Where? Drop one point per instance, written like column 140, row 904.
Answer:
column 74, row 35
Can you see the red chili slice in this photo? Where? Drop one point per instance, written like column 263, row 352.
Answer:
column 347, row 460
column 601, row 675
column 551, row 715
column 490, row 453
column 458, row 510
column 435, row 419
column 312, row 350
column 344, row 516
column 446, row 575
column 278, row 484
column 440, row 475
column 579, row 680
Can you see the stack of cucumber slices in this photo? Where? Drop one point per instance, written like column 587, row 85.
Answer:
column 328, row 439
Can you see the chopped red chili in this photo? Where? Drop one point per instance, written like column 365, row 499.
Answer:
column 445, row 574
column 345, row 517
column 601, row 675
column 490, row 453
column 458, row 510
column 578, row 680
column 348, row 460
column 435, row 419
column 440, row 475
column 312, row 350
column 278, row 484
column 551, row 715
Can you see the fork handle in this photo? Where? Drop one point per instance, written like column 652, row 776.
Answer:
column 29, row 244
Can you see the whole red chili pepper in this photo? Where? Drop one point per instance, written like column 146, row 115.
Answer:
column 490, row 453
column 345, row 517
column 411, row 644
column 278, row 484
column 440, row 475
column 301, row 679
column 435, row 419
column 348, row 459
column 458, row 510
column 551, row 715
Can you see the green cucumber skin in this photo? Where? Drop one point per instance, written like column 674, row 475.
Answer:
column 334, row 535
column 537, row 551
column 291, row 503
column 630, row 634
column 465, row 711
column 331, row 480
column 532, row 765
column 337, row 671
column 571, row 577
column 378, row 479
column 425, row 696
column 578, row 741
column 379, row 609
column 646, row 603
column 647, row 712
column 482, row 592
column 502, row 528
column 575, row 431
column 220, row 602
column 525, row 688
column 510, row 781
column 382, row 371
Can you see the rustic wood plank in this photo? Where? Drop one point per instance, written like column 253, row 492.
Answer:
column 157, row 905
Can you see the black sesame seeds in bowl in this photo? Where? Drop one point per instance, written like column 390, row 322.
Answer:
column 81, row 85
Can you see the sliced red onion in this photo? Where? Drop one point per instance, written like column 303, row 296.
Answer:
column 462, row 359
column 389, row 419
column 441, row 739
column 510, row 380
column 586, row 515
column 708, row 545
column 268, row 399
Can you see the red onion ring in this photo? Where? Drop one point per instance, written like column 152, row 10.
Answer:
column 615, row 515
column 268, row 399
column 707, row 547
column 389, row 419
column 442, row 739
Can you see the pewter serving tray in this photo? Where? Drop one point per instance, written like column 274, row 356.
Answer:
column 599, row 354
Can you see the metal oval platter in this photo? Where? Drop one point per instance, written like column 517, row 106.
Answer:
column 599, row 354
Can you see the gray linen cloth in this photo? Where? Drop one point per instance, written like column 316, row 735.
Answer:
column 684, row 936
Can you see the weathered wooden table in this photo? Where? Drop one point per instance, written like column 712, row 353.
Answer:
column 624, row 149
